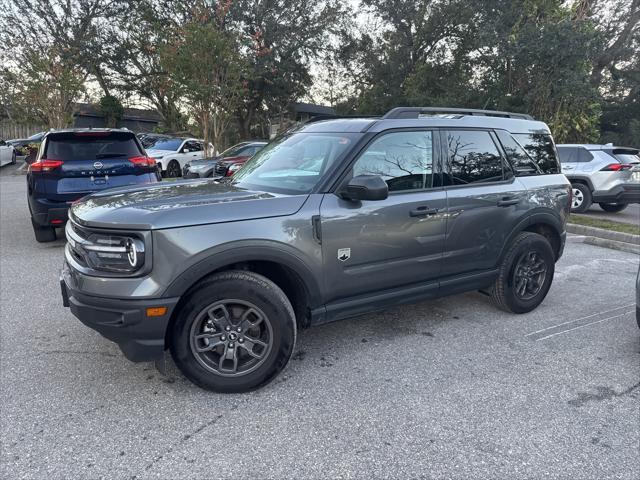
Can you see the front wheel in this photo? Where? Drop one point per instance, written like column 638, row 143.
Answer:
column 613, row 207
column 235, row 333
column 13, row 158
column 525, row 274
column 173, row 169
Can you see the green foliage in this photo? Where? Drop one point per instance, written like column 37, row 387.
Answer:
column 112, row 110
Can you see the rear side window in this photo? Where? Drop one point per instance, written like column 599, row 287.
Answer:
column 522, row 163
column 473, row 158
column 541, row 149
column 77, row 146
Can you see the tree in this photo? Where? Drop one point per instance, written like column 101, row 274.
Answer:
column 112, row 110
column 204, row 60
column 280, row 37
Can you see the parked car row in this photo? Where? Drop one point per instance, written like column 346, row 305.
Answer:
column 602, row 174
column 7, row 153
column 225, row 164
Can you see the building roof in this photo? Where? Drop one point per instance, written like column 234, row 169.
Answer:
column 139, row 114
column 312, row 108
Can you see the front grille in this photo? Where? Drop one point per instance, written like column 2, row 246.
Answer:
column 221, row 169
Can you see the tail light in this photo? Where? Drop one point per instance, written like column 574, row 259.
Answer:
column 234, row 167
column 143, row 161
column 45, row 165
column 616, row 167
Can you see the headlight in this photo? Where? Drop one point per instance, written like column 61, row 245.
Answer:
column 110, row 253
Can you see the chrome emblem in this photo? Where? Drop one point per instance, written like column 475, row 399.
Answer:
column 344, row 254
column 98, row 165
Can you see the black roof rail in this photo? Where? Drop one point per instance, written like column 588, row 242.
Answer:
column 415, row 112
column 318, row 118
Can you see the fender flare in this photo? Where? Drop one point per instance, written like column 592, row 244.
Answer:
column 224, row 255
column 540, row 216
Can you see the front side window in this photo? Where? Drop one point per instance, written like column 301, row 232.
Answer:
column 294, row 163
column 541, row 149
column 473, row 158
column 403, row 159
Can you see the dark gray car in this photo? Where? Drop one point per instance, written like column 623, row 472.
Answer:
column 333, row 219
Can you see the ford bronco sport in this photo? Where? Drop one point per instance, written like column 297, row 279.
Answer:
column 335, row 218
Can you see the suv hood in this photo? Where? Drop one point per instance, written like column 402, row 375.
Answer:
column 180, row 204
column 160, row 153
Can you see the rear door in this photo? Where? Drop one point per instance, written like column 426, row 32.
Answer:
column 484, row 201
column 93, row 161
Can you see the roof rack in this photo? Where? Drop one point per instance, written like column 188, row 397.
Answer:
column 415, row 112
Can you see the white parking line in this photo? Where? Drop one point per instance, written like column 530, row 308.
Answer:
column 579, row 319
column 583, row 325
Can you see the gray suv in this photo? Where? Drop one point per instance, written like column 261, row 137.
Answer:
column 333, row 219
column 603, row 174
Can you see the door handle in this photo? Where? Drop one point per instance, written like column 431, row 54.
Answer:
column 508, row 201
column 423, row 211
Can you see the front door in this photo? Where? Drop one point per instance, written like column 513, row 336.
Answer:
column 372, row 246
column 485, row 202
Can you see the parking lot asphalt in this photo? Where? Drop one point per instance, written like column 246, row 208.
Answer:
column 451, row 388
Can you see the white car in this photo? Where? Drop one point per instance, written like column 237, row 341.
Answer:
column 7, row 154
column 172, row 154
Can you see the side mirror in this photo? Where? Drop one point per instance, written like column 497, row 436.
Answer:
column 365, row 187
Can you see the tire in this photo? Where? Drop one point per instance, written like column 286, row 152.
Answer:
column 13, row 158
column 613, row 207
column 505, row 292
column 43, row 234
column 581, row 200
column 173, row 169
column 199, row 337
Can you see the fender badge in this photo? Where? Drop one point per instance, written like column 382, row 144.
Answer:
column 344, row 254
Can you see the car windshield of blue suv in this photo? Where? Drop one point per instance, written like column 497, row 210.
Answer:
column 294, row 163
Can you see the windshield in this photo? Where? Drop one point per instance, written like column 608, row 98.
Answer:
column 172, row 144
column 627, row 158
column 234, row 151
column 294, row 163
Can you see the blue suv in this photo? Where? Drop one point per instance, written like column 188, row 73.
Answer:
column 73, row 163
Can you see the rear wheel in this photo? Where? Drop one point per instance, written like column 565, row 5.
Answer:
column 613, row 207
column 235, row 332
column 525, row 275
column 581, row 200
column 13, row 158
column 173, row 169
column 43, row 234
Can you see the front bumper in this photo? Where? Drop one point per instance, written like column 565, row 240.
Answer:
column 625, row 193
column 123, row 321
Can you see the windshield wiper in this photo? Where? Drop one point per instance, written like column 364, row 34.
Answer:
column 111, row 155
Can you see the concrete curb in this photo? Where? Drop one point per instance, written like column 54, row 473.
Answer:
column 601, row 233
column 601, row 242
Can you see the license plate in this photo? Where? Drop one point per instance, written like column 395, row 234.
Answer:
column 635, row 176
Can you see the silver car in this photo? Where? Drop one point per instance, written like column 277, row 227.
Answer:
column 602, row 174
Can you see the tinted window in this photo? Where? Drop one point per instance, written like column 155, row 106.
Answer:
column 193, row 146
column 517, row 156
column 294, row 163
column 568, row 154
column 404, row 160
column 90, row 146
column 541, row 150
column 473, row 158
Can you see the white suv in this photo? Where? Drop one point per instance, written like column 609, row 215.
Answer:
column 602, row 174
column 172, row 154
